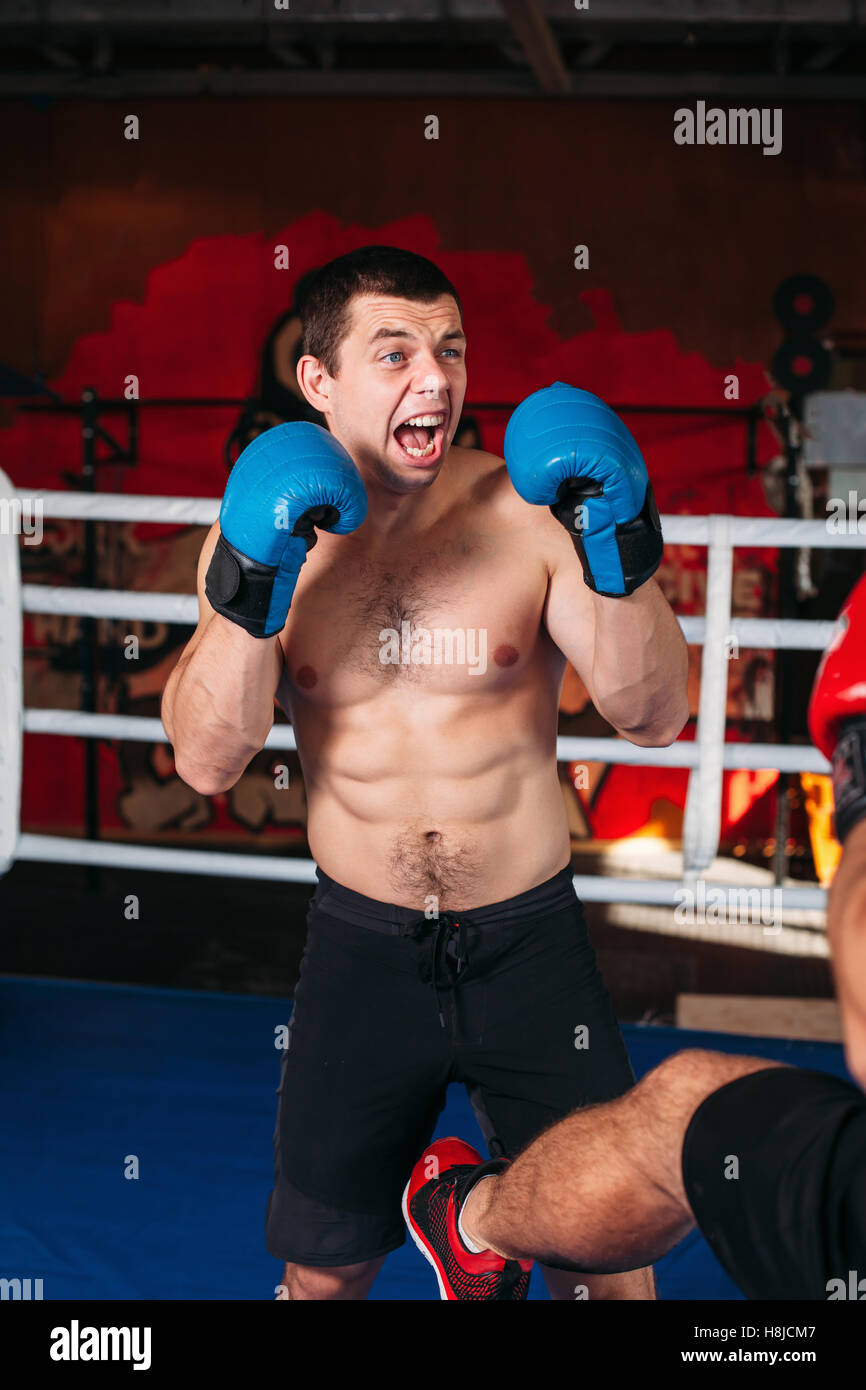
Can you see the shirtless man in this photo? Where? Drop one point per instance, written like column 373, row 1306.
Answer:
column 445, row 941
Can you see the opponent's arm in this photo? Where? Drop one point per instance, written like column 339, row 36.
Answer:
column 837, row 723
column 569, row 451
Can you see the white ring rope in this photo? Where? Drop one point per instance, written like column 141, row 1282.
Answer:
column 113, row 854
column 706, row 757
column 700, row 831
column 747, row 756
column 124, row 506
column 157, row 607
column 762, row 532
column 122, row 604
column 64, row 849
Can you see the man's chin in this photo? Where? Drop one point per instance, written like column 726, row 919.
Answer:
column 409, row 478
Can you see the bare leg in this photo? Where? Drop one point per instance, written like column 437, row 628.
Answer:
column 566, row 1286
column 343, row 1282
column 602, row 1190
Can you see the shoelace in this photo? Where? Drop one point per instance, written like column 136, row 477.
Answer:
column 448, row 927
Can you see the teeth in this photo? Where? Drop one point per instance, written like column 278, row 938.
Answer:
column 428, row 420
column 421, row 453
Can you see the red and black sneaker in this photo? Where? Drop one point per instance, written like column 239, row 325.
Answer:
column 431, row 1206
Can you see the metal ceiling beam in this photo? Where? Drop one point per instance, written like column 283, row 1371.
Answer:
column 585, row 85
column 698, row 12
column 103, row 52
column 58, row 57
column 309, row 13
column 593, row 54
column 287, row 54
column 535, row 37
column 824, row 58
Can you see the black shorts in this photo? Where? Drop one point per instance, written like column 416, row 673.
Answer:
column 389, row 1008
column 795, row 1216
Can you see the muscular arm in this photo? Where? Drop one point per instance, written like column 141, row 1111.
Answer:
column 218, row 703
column 629, row 652
column 846, row 932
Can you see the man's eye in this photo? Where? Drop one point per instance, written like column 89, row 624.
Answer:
column 395, row 353
column 455, row 351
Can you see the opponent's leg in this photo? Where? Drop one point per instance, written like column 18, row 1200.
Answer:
column 344, row 1282
column 630, row 1283
column 602, row 1190
column 566, row 1285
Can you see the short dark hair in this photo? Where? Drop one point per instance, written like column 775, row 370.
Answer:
column 325, row 303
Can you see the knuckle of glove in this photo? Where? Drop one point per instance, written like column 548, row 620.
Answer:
column 560, row 433
column 566, row 448
column 282, row 475
column 289, row 480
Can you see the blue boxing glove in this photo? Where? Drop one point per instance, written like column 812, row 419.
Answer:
column 566, row 448
column 289, row 480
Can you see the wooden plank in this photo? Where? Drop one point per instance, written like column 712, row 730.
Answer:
column 817, row 1020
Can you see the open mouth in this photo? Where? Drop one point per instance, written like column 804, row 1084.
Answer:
column 420, row 437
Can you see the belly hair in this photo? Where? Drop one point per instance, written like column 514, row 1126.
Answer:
column 425, row 862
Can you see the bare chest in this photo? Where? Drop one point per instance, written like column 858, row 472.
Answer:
column 455, row 617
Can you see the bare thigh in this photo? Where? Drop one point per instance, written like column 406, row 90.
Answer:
column 602, row 1190
column 667, row 1098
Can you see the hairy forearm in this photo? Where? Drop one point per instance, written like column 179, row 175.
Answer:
column 218, row 704
column 640, row 666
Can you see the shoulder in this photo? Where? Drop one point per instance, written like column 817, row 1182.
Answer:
column 486, row 484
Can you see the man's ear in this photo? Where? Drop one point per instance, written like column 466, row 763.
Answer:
column 314, row 381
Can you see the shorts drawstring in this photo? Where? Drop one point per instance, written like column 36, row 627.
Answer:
column 447, row 928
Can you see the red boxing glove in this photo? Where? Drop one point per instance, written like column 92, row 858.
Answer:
column 837, row 710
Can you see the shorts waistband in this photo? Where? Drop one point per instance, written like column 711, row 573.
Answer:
column 332, row 898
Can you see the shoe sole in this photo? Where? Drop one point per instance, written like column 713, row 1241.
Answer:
column 428, row 1255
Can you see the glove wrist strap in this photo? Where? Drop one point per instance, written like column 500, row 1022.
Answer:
column 849, row 775
column 240, row 588
column 638, row 541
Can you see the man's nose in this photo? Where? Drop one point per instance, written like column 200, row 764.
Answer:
column 430, row 380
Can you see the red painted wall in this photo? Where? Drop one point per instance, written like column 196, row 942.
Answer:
column 155, row 258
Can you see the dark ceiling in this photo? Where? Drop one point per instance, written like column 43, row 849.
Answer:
column 794, row 49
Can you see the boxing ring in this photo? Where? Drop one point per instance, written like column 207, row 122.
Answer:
column 183, row 1081
column 707, row 758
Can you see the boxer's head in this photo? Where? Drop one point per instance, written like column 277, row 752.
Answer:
column 384, row 344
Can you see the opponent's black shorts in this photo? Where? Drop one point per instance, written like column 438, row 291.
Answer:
column 774, row 1167
column 389, row 1008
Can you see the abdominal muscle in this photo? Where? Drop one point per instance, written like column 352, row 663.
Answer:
column 437, row 803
